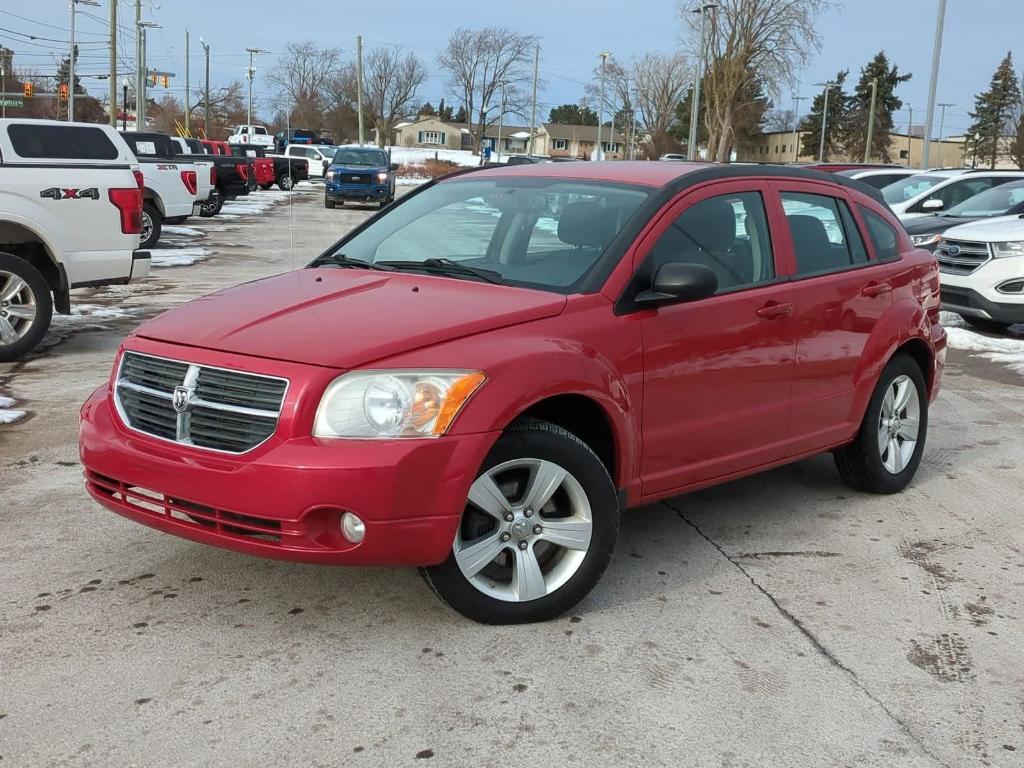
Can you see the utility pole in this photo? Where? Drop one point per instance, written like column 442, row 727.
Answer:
column 140, row 96
column 71, row 58
column 188, row 97
column 824, row 119
column 251, row 74
column 359, row 89
column 940, row 23
column 501, row 120
column 533, row 111
column 139, row 75
column 632, row 131
column 910, row 135
column 206, row 97
column 871, row 120
column 942, row 126
column 112, row 73
column 691, row 144
column 600, row 107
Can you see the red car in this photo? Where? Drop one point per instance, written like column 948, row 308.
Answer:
column 480, row 379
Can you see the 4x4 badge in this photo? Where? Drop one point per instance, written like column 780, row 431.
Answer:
column 57, row 193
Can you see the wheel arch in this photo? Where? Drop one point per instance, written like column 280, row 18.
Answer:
column 19, row 238
column 149, row 195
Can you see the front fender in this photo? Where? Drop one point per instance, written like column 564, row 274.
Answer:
column 904, row 321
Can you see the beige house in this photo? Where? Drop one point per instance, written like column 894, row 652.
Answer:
column 579, row 141
column 908, row 150
column 430, row 133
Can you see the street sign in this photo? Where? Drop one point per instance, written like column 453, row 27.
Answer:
column 5, row 102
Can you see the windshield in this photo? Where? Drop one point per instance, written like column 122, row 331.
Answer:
column 532, row 232
column 360, row 157
column 912, row 186
column 992, row 202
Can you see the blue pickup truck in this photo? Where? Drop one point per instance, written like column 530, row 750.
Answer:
column 363, row 174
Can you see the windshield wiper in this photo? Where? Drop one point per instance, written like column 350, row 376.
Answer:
column 447, row 267
column 341, row 260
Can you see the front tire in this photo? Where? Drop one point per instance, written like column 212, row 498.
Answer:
column 268, row 185
column 328, row 203
column 537, row 532
column 26, row 307
column 887, row 450
column 285, row 181
column 152, row 223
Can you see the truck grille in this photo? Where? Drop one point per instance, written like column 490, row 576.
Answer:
column 961, row 257
column 198, row 405
column 356, row 178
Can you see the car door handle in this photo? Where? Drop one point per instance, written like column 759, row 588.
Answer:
column 876, row 289
column 774, row 309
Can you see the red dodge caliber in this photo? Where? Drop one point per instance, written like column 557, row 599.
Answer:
column 479, row 380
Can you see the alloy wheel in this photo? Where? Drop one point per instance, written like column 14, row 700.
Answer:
column 526, row 530
column 17, row 307
column 898, row 425
column 147, row 227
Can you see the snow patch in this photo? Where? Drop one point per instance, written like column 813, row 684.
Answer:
column 186, row 231
column 1008, row 352
column 419, row 155
column 178, row 257
column 7, row 413
column 409, row 181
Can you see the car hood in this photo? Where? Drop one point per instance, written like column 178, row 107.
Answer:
column 343, row 318
column 933, row 224
column 999, row 229
column 367, row 169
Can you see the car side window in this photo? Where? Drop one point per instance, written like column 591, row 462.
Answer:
column 882, row 235
column 959, row 191
column 824, row 236
column 726, row 233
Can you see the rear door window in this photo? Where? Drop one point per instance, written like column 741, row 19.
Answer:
column 883, row 237
column 61, row 142
column 825, row 238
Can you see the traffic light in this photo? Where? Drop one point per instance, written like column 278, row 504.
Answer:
column 28, row 90
column 63, row 91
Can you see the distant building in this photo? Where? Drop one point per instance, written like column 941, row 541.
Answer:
column 785, row 147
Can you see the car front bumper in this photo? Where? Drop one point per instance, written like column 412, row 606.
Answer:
column 368, row 192
column 983, row 293
column 285, row 499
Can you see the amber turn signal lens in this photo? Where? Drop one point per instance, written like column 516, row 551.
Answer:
column 457, row 396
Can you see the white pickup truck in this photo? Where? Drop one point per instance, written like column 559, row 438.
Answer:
column 252, row 134
column 70, row 217
column 171, row 185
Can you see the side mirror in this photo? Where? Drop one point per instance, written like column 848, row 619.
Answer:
column 677, row 282
column 934, row 204
column 393, row 167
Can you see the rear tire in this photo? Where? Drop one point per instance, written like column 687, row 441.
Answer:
column 887, row 450
column 538, row 533
column 26, row 307
column 212, row 205
column 988, row 326
column 152, row 223
column 285, row 181
column 268, row 185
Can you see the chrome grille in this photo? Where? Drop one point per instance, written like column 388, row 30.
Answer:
column 217, row 409
column 961, row 257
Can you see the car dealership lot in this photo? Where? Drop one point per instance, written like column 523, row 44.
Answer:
column 779, row 620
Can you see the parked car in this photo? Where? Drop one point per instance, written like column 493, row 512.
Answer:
column 251, row 134
column 673, row 157
column 294, row 136
column 936, row 191
column 286, row 170
column 231, row 176
column 480, row 379
column 171, row 185
column 317, row 157
column 982, row 265
column 1004, row 200
column 879, row 178
column 158, row 146
column 263, row 167
column 840, row 167
column 364, row 174
column 70, row 217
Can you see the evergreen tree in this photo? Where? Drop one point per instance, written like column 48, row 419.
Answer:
column 428, row 109
column 461, row 117
column 993, row 110
column 811, row 124
column 573, row 114
column 445, row 112
column 858, row 109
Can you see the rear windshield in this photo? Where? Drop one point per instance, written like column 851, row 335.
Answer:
column 61, row 142
column 360, row 157
column 912, row 186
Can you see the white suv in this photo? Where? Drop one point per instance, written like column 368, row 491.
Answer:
column 982, row 272
column 936, row 191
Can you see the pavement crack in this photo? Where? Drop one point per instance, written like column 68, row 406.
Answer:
column 812, row 639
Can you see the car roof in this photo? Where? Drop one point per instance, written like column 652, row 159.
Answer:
column 860, row 173
column 656, row 174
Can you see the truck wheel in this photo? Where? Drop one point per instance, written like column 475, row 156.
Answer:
column 26, row 307
column 151, row 224
column 983, row 324
column 285, row 181
column 328, row 203
column 887, row 450
column 537, row 532
column 212, row 205
column 268, row 185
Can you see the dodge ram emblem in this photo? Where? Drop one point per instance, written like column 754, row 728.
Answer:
column 181, row 399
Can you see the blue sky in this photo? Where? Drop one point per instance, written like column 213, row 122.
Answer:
column 978, row 35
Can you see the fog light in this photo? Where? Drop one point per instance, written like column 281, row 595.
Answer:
column 352, row 528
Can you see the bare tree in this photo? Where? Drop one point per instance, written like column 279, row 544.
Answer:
column 301, row 75
column 390, row 85
column 779, row 120
column 488, row 67
column 662, row 80
column 747, row 40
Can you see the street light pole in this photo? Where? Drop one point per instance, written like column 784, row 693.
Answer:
column 188, row 95
column 691, row 144
column 124, row 104
column 600, row 107
column 871, row 121
column 251, row 74
column 940, row 22
column 501, row 120
column 942, row 126
column 140, row 95
column 796, row 126
column 206, row 96
column 824, row 119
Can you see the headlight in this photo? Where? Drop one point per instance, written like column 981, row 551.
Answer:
column 392, row 404
column 382, row 176
column 1012, row 248
column 330, row 175
column 920, row 240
